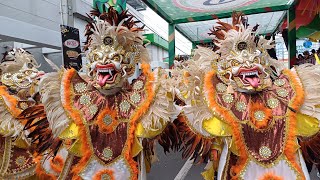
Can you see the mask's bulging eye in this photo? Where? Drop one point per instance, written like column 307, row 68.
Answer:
column 28, row 72
column 235, row 63
column 256, row 60
column 116, row 58
column 97, row 56
column 19, row 76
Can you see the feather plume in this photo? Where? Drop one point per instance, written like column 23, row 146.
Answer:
column 41, row 136
column 100, row 22
column 310, row 148
column 309, row 77
column 163, row 109
column 50, row 90
column 195, row 146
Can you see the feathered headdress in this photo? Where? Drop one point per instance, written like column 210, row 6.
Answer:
column 238, row 36
column 114, row 29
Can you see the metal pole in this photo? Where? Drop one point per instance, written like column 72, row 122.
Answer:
column 171, row 44
column 292, row 47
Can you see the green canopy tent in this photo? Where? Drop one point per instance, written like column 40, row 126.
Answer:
column 194, row 18
column 308, row 30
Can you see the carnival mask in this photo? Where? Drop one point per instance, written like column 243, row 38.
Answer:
column 19, row 69
column 245, row 71
column 114, row 47
column 244, row 61
column 111, row 63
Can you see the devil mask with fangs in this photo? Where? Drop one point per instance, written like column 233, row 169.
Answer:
column 244, row 62
column 19, row 69
column 113, row 49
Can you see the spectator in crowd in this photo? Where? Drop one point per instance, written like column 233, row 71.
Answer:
column 300, row 59
column 308, row 58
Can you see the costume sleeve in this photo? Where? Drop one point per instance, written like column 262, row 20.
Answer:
column 163, row 109
column 307, row 126
column 195, row 145
column 50, row 90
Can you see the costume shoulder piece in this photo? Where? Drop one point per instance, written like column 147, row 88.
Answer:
column 9, row 111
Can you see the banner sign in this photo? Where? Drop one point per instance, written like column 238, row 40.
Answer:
column 211, row 5
column 71, row 47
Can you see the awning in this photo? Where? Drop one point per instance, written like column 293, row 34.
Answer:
column 195, row 18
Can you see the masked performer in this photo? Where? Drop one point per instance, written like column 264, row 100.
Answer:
column 95, row 120
column 245, row 113
column 19, row 78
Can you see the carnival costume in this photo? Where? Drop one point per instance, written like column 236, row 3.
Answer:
column 19, row 77
column 97, row 122
column 245, row 114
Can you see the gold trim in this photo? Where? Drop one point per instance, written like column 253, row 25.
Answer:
column 22, row 174
column 66, row 168
column 282, row 157
column 6, row 155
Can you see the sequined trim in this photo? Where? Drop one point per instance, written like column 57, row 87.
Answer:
column 20, row 161
column 282, row 92
column 80, row 87
column 279, row 82
column 241, row 106
column 93, row 109
column 138, row 85
column 265, row 151
column 107, row 153
column 221, row 87
column 107, row 120
column 227, row 98
column 124, row 106
column 273, row 103
column 26, row 174
column 6, row 155
column 105, row 177
column 135, row 98
column 85, row 99
column 259, row 115
column 23, row 105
